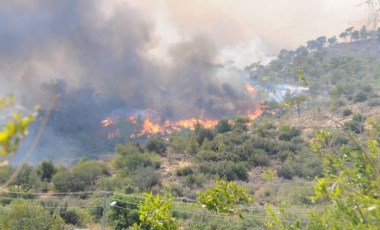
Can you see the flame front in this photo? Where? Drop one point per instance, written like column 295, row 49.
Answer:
column 151, row 124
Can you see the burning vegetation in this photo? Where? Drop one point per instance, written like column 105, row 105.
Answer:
column 149, row 122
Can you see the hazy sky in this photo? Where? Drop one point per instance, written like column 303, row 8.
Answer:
column 256, row 26
column 147, row 43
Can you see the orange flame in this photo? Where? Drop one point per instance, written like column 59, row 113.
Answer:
column 254, row 114
column 249, row 88
column 152, row 126
column 110, row 121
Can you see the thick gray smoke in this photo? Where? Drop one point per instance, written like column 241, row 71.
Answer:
column 98, row 63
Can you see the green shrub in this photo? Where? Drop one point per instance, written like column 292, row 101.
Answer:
column 145, row 178
column 286, row 133
column 374, row 102
column 340, row 140
column 360, row 97
column 285, row 172
column 75, row 216
column 347, row 112
column 356, row 125
column 223, row 126
column 226, row 169
column 184, row 171
column 156, row 144
column 259, row 158
column 178, row 143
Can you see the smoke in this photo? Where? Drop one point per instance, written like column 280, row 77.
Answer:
column 99, row 62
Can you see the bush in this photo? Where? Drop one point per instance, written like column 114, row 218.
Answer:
column 223, row 126
column 22, row 214
column 156, row 145
column 356, row 125
column 285, row 172
column 360, row 97
column 226, row 169
column 65, row 181
column 131, row 162
column 374, row 102
column 259, row 158
column 184, row 171
column 286, row 133
column 178, row 143
column 347, row 112
column 75, row 216
column 145, row 178
column 340, row 140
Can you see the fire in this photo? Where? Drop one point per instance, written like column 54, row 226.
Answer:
column 110, row 121
column 151, row 124
column 254, row 114
column 249, row 88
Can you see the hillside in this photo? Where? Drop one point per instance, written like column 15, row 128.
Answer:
column 268, row 151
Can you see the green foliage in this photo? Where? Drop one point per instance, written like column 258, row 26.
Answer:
column 5, row 173
column 145, row 178
column 224, row 197
column 356, row 125
column 178, row 143
column 201, row 133
column 360, row 97
column 351, row 182
column 14, row 130
column 65, row 181
column 228, row 169
column 156, row 214
column 374, row 102
column 156, row 144
column 223, row 126
column 286, row 133
column 184, row 171
column 347, row 112
column 75, row 216
column 124, row 211
column 26, row 178
column 27, row 215
column 349, row 187
column 46, row 170
column 131, row 162
column 241, row 124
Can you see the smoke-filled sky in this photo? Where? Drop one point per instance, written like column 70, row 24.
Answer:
column 161, row 54
column 178, row 57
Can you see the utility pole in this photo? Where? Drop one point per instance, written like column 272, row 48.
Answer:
column 104, row 210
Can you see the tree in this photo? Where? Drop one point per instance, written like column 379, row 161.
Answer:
column 223, row 126
column 297, row 101
column 363, row 33
column 332, row 41
column 343, row 35
column 320, row 42
column 224, row 197
column 156, row 214
column 46, row 170
column 355, row 35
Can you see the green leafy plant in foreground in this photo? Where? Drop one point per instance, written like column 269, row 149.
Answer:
column 14, row 130
column 224, row 197
column 156, row 214
column 349, row 190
